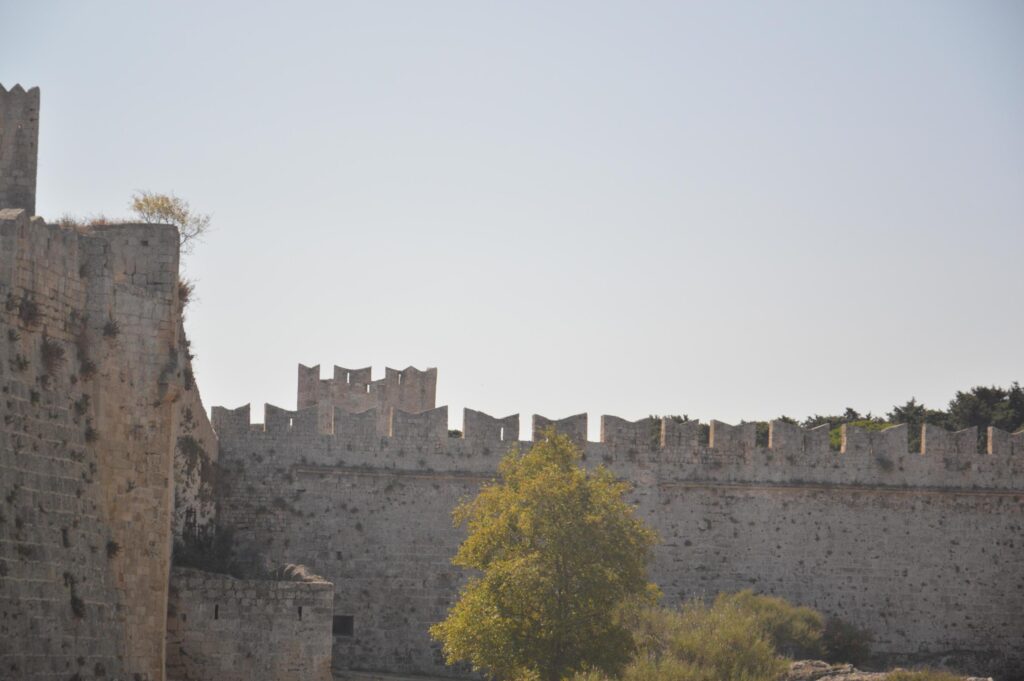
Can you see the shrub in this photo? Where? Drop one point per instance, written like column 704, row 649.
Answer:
column 795, row 631
column 699, row 642
column 172, row 210
column 742, row 636
column 845, row 642
column 111, row 329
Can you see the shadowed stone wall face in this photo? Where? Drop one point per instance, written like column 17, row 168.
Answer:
column 195, row 459
column 90, row 368
column 922, row 548
column 231, row 629
column 19, row 137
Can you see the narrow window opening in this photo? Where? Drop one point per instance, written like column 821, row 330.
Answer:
column 399, row 378
column 300, row 613
column 367, row 387
column 348, row 377
column 342, row 625
column 216, row 612
column 501, row 433
column 338, row 556
column 291, row 422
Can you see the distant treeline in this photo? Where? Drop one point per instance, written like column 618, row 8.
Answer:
column 980, row 406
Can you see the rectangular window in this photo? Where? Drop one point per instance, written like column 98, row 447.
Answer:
column 342, row 625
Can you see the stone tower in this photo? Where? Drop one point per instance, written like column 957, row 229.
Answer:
column 19, row 144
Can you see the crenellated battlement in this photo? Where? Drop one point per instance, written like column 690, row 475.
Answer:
column 409, row 390
column 19, row 147
column 841, row 527
column 676, row 449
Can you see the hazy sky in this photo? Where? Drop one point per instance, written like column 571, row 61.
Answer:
column 729, row 210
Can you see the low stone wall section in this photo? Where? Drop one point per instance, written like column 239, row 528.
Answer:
column 224, row 629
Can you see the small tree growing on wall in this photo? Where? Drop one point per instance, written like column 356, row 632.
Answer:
column 172, row 210
column 559, row 550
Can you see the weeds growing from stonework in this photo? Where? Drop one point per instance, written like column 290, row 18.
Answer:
column 186, row 288
column 53, row 355
column 111, row 329
column 28, row 312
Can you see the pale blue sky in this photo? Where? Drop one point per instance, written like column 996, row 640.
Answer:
column 730, row 210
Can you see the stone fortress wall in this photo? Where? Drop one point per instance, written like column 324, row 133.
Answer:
column 19, row 138
column 106, row 454
column 228, row 629
column 90, row 370
column 922, row 548
column 97, row 397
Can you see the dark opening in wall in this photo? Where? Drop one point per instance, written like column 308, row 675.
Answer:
column 216, row 612
column 300, row 612
column 342, row 625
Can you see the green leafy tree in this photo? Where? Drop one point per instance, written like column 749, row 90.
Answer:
column 988, row 406
column 558, row 550
column 915, row 415
column 172, row 210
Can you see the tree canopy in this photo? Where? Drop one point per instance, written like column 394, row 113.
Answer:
column 558, row 550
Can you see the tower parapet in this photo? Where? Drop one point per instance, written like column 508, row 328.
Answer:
column 19, row 145
column 352, row 390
